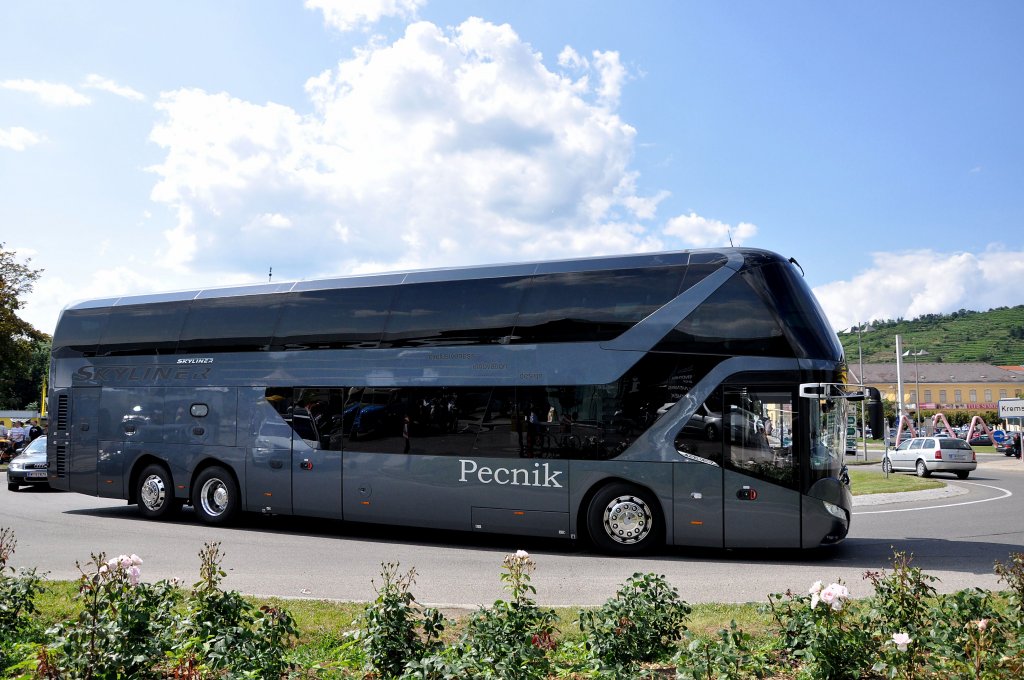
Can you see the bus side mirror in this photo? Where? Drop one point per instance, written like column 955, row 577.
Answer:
column 813, row 390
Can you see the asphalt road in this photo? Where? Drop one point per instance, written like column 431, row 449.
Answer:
column 956, row 538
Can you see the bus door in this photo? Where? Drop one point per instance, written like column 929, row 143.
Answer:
column 316, row 418
column 74, row 438
column 760, row 492
column 268, row 469
column 697, row 477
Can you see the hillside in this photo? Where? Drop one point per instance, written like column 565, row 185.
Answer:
column 994, row 337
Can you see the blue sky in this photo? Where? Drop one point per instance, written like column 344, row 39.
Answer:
column 171, row 145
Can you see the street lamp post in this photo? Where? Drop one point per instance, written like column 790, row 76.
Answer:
column 860, row 356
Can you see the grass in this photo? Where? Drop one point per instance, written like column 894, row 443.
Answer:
column 874, row 481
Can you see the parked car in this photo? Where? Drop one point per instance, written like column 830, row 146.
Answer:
column 28, row 468
column 1009, row 446
column 925, row 455
column 980, row 440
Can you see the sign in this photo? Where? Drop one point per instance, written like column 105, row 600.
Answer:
column 999, row 436
column 1011, row 408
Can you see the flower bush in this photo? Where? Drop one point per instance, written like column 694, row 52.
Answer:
column 641, row 623
column 127, row 628
column 17, row 606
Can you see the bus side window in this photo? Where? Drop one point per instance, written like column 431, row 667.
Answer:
column 701, row 435
column 759, row 433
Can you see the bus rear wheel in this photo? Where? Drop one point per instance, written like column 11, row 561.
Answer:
column 215, row 496
column 624, row 519
column 155, row 493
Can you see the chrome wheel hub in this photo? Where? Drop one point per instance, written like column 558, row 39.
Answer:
column 153, row 492
column 215, row 497
column 627, row 519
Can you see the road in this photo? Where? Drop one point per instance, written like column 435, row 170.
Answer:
column 954, row 538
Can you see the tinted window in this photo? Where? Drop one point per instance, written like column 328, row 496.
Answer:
column 232, row 324
column 808, row 329
column 700, row 266
column 733, row 320
column 454, row 312
column 143, row 329
column 951, row 443
column 759, row 431
column 591, row 306
column 79, row 331
column 332, row 319
column 701, row 435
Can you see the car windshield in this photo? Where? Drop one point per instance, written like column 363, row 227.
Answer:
column 38, row 445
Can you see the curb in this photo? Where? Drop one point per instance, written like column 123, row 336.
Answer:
column 948, row 491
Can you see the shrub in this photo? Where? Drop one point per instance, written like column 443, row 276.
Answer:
column 641, row 623
column 222, row 631
column 510, row 640
column 390, row 626
column 17, row 607
column 730, row 656
column 123, row 628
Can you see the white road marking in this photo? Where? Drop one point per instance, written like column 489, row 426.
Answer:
column 1006, row 494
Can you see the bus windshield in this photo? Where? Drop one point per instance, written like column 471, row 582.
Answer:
column 828, row 431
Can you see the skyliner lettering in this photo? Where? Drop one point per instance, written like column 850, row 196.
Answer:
column 105, row 374
column 511, row 476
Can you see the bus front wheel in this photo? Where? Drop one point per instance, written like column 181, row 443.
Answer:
column 155, row 493
column 215, row 496
column 624, row 519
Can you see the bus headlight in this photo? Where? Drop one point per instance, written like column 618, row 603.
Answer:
column 835, row 511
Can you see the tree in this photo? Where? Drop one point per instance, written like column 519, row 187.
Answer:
column 21, row 345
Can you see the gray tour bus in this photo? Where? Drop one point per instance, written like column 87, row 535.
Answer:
column 683, row 398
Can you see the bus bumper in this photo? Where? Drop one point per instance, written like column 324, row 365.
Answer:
column 827, row 510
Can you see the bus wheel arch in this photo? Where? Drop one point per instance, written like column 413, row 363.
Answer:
column 152, row 488
column 623, row 518
column 216, row 496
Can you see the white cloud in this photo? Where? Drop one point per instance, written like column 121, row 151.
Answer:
column 268, row 221
column 54, row 94
column 613, row 77
column 18, row 138
column 95, row 82
column 909, row 284
column 347, row 15
column 700, row 232
column 444, row 147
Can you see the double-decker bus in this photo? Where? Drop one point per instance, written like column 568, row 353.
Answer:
column 683, row 398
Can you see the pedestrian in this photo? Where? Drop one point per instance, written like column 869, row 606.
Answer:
column 34, row 431
column 17, row 435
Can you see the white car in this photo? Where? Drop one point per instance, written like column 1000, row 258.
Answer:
column 925, row 455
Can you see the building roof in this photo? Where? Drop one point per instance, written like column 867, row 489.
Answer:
column 936, row 372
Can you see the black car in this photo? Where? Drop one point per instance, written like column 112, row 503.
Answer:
column 980, row 440
column 28, row 468
column 1010, row 446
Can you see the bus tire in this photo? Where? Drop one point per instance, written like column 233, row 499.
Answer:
column 155, row 493
column 215, row 496
column 624, row 519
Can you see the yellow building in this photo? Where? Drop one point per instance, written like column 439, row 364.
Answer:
column 972, row 386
